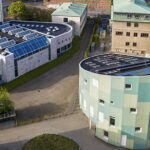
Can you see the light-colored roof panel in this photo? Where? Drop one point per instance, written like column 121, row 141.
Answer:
column 131, row 6
column 70, row 9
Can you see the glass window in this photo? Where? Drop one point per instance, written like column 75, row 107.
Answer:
column 135, row 34
column 112, row 121
column 127, row 33
column 136, row 24
column 128, row 24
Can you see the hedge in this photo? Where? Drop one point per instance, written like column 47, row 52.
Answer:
column 89, row 45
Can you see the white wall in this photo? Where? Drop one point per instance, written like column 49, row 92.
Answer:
column 8, row 70
column 76, row 21
column 59, row 42
column 33, row 61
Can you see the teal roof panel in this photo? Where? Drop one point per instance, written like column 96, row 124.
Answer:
column 70, row 10
column 131, row 6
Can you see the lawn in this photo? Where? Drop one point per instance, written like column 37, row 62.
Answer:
column 51, row 142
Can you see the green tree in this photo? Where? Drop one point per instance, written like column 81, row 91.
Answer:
column 18, row 10
column 6, row 104
column 98, row 21
column 96, row 39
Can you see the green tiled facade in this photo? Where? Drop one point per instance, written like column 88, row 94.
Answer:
column 132, row 128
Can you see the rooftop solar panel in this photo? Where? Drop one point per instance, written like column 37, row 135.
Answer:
column 8, row 29
column 3, row 39
column 116, row 64
column 4, row 26
column 7, row 44
column 12, row 32
column 29, row 46
column 30, row 36
column 22, row 33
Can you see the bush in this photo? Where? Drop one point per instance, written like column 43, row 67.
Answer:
column 37, row 14
column 6, row 104
column 51, row 142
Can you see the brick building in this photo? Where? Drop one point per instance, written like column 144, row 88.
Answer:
column 103, row 5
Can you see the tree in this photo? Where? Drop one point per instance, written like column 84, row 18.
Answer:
column 98, row 21
column 96, row 39
column 18, row 10
column 6, row 104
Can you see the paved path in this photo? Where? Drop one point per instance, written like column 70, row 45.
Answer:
column 74, row 126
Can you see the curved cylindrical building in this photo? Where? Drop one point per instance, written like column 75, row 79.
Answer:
column 114, row 94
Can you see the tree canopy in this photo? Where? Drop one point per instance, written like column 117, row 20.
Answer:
column 6, row 104
column 18, row 10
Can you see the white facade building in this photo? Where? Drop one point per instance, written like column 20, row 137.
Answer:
column 73, row 13
column 30, row 50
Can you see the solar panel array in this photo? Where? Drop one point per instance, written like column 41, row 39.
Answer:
column 7, row 44
column 4, row 26
column 30, row 36
column 21, row 34
column 27, row 47
column 4, row 39
column 114, row 64
column 12, row 32
column 8, row 29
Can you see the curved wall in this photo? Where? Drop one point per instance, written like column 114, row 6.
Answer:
column 120, row 112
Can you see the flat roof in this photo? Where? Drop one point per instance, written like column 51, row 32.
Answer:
column 131, row 6
column 20, row 41
column 117, row 65
column 49, row 28
column 70, row 10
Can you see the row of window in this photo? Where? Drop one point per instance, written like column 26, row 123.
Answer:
column 132, row 51
column 64, row 40
column 137, row 16
column 128, row 44
column 134, row 34
column 135, row 24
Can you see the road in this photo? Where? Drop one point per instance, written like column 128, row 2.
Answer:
column 74, row 126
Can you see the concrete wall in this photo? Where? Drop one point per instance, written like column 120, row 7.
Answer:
column 79, row 22
column 118, row 41
column 7, row 67
column 117, row 104
column 31, row 62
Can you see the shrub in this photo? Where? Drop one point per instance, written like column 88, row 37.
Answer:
column 50, row 142
column 6, row 104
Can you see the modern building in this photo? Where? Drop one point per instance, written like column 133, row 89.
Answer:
column 97, row 5
column 130, row 21
column 1, row 11
column 114, row 95
column 26, row 45
column 73, row 13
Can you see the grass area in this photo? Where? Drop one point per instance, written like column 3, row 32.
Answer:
column 51, row 142
column 44, row 68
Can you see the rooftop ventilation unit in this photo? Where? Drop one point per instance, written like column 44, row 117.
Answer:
column 12, row 32
column 7, row 44
column 22, row 33
column 7, row 29
column 30, row 36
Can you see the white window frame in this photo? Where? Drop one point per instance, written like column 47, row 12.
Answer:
column 139, row 131
column 95, row 82
column 101, row 116
column 91, row 111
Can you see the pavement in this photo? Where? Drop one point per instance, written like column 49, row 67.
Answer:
column 74, row 126
column 53, row 92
